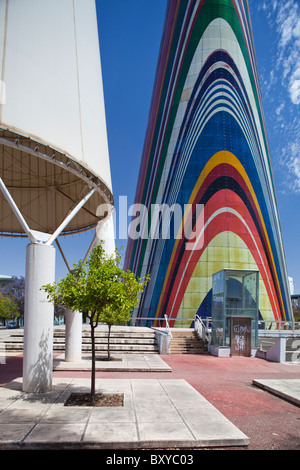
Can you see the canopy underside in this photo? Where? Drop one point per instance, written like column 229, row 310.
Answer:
column 46, row 185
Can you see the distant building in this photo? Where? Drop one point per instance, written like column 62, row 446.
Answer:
column 5, row 281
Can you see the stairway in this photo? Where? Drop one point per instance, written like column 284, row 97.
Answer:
column 185, row 341
column 123, row 340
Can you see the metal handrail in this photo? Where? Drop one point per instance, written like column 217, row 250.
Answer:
column 167, row 326
column 273, row 326
column 159, row 320
column 270, row 326
column 203, row 331
column 199, row 326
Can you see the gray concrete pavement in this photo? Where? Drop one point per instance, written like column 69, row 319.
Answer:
column 288, row 389
column 157, row 413
column 123, row 363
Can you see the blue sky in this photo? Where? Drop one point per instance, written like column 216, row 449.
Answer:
column 130, row 33
column 276, row 29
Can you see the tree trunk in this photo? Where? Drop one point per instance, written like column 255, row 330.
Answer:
column 93, row 376
column 108, row 343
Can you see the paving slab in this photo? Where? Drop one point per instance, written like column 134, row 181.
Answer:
column 156, row 413
column 288, row 389
column 122, row 363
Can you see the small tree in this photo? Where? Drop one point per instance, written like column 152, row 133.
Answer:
column 126, row 294
column 101, row 290
column 16, row 292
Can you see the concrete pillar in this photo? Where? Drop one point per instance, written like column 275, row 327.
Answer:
column 105, row 230
column 38, row 322
column 107, row 235
column 73, row 336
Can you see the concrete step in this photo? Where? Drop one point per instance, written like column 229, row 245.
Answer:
column 103, row 334
column 189, row 351
column 186, row 342
column 86, row 334
column 185, row 346
column 122, row 348
column 113, row 340
column 122, row 339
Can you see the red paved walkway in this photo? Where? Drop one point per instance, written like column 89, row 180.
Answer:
column 269, row 422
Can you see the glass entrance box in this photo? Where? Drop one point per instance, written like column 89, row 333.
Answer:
column 234, row 294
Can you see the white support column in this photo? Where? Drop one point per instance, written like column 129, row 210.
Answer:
column 105, row 231
column 73, row 336
column 107, row 234
column 39, row 316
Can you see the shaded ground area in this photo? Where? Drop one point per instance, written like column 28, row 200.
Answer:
column 270, row 422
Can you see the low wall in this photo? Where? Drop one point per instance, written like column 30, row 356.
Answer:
column 276, row 353
column 225, row 351
column 163, row 340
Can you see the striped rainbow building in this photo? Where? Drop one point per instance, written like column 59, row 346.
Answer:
column 206, row 146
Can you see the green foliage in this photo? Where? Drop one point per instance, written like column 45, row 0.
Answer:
column 101, row 290
column 8, row 307
column 12, row 299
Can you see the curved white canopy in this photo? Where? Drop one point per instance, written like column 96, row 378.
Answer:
column 53, row 139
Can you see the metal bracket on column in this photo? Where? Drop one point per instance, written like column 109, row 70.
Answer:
column 31, row 233
column 17, row 212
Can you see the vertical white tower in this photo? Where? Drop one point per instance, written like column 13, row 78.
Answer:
column 54, row 160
